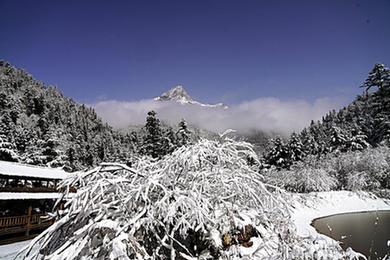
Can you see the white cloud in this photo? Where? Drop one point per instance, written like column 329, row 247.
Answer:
column 269, row 114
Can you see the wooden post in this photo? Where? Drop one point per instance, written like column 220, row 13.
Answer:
column 29, row 220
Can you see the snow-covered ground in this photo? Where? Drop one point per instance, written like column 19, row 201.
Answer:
column 320, row 204
column 306, row 208
column 8, row 252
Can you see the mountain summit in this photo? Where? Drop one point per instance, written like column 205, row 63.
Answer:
column 180, row 95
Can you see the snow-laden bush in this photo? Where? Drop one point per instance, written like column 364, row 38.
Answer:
column 302, row 177
column 361, row 181
column 365, row 170
column 180, row 206
column 358, row 170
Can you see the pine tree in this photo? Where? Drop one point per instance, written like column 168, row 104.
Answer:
column 358, row 141
column 7, row 150
column 296, row 149
column 183, row 134
column 279, row 155
column 378, row 77
column 338, row 139
column 153, row 142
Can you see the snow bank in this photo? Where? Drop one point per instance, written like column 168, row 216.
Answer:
column 314, row 205
column 9, row 252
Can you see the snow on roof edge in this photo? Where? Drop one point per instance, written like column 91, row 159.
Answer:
column 29, row 195
column 25, row 170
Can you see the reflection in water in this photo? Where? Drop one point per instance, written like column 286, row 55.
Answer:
column 365, row 232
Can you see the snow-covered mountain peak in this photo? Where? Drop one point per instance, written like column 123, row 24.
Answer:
column 179, row 94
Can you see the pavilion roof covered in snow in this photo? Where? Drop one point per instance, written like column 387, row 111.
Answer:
column 29, row 195
column 31, row 171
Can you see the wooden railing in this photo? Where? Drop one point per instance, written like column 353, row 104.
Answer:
column 24, row 223
column 34, row 189
column 27, row 189
column 13, row 221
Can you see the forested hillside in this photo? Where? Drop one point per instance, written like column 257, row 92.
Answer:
column 39, row 125
column 362, row 124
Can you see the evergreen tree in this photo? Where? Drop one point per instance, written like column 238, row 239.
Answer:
column 183, row 134
column 338, row 139
column 358, row 141
column 7, row 150
column 378, row 77
column 153, row 142
column 279, row 155
column 296, row 149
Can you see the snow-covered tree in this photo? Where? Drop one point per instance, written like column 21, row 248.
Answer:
column 296, row 149
column 338, row 139
column 378, row 77
column 358, row 141
column 183, row 133
column 7, row 150
column 153, row 141
column 279, row 155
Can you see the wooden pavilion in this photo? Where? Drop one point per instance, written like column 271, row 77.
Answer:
column 27, row 194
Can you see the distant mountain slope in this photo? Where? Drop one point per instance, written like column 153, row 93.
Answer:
column 39, row 125
column 180, row 95
column 363, row 123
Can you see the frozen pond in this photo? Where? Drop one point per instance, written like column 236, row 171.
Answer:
column 365, row 232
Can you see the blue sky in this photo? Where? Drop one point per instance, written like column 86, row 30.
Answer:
column 229, row 51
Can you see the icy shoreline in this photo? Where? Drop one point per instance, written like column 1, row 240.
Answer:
column 314, row 205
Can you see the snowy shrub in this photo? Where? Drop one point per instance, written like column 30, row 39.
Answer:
column 361, row 181
column 185, row 205
column 364, row 170
column 302, row 177
column 358, row 170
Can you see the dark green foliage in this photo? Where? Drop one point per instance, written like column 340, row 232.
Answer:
column 152, row 143
column 158, row 140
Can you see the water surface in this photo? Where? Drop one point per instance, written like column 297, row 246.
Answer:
column 365, row 232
